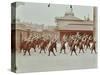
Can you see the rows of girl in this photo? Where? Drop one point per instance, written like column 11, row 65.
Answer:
column 47, row 45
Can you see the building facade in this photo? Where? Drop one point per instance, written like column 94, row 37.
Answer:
column 70, row 24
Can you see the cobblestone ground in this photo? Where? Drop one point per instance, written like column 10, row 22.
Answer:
column 42, row 62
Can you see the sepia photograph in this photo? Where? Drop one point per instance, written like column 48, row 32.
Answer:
column 53, row 37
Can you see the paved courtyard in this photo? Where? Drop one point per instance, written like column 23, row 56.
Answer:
column 42, row 62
